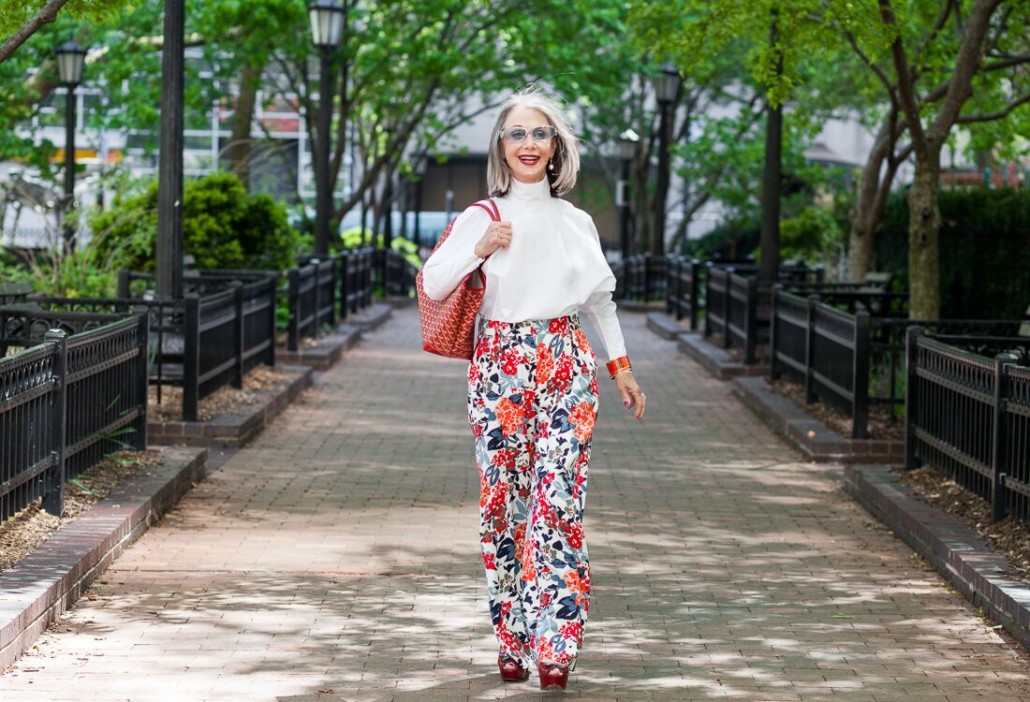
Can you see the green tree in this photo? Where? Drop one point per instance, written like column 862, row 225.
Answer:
column 929, row 58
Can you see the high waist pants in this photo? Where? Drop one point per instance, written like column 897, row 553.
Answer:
column 532, row 406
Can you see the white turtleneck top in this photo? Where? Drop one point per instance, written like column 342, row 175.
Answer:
column 553, row 267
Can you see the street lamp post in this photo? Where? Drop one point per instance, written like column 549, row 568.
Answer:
column 71, row 57
column 168, row 278
column 627, row 152
column 667, row 87
column 327, row 18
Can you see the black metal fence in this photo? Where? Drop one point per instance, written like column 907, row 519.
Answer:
column 731, row 308
column 640, row 278
column 968, row 416
column 64, row 404
column 824, row 349
column 197, row 343
column 684, row 288
column 356, row 280
column 312, row 295
column 399, row 280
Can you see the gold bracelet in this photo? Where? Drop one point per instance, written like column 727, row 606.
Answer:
column 619, row 365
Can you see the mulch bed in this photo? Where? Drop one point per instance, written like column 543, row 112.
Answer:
column 29, row 528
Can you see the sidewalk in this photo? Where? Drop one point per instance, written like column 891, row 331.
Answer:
column 336, row 558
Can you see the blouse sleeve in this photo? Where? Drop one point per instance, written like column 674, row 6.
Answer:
column 456, row 257
column 600, row 309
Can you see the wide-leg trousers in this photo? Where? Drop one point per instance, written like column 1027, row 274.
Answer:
column 532, row 406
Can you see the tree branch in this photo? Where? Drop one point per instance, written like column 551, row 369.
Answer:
column 45, row 16
column 966, row 64
column 906, row 95
column 991, row 116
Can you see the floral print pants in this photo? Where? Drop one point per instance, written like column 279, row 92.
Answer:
column 532, row 406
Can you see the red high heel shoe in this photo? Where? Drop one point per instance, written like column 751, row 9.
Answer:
column 553, row 675
column 512, row 670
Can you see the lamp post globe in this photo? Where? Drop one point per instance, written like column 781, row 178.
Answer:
column 326, row 23
column 667, row 83
column 71, row 57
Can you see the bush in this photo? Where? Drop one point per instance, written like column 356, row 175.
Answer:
column 985, row 251
column 223, row 227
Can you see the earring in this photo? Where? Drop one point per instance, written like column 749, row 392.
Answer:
column 550, row 166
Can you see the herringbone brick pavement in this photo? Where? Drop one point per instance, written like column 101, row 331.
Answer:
column 336, row 558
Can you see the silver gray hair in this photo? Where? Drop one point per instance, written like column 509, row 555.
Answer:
column 565, row 160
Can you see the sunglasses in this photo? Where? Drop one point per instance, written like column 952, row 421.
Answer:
column 519, row 134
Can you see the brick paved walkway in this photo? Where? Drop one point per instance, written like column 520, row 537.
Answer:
column 336, row 558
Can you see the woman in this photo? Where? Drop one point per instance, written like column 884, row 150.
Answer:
column 532, row 382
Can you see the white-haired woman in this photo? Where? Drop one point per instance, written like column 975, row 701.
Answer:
column 532, row 384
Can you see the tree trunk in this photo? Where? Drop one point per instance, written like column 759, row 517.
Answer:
column 241, row 146
column 865, row 219
column 924, row 225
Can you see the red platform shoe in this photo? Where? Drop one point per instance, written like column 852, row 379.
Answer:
column 553, row 675
column 511, row 670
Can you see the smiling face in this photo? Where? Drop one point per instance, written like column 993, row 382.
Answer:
column 527, row 159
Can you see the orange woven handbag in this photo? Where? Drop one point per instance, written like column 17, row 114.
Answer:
column 448, row 325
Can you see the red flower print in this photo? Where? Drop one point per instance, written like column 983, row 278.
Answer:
column 509, row 415
column 582, row 418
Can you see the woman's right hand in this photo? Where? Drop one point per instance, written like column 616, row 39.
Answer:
column 497, row 236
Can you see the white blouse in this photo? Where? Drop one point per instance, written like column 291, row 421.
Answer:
column 553, row 267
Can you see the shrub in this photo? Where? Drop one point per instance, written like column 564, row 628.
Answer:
column 223, row 227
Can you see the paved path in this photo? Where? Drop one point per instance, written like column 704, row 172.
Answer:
column 336, row 558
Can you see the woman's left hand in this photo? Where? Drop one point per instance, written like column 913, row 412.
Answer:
column 632, row 396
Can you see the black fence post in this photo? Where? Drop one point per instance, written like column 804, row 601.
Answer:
column 293, row 326
column 813, row 305
column 999, row 457
column 912, row 398
column 751, row 321
column 645, row 270
column 773, row 373
column 341, row 283
column 860, row 370
column 316, row 294
column 53, row 486
column 672, row 287
column 123, row 284
column 191, row 358
column 141, row 369
column 238, row 331
column 695, row 289
column 270, row 321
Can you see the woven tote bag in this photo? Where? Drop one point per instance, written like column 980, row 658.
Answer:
column 448, row 325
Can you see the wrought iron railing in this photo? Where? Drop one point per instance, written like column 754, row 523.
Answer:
column 64, row 404
column 968, row 417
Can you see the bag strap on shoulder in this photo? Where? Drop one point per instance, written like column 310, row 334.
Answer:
column 491, row 208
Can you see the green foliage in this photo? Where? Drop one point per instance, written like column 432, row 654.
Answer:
column 985, row 251
column 356, row 238
column 813, row 236
column 734, row 239
column 83, row 273
column 223, row 227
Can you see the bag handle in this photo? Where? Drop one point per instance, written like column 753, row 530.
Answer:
column 491, row 208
